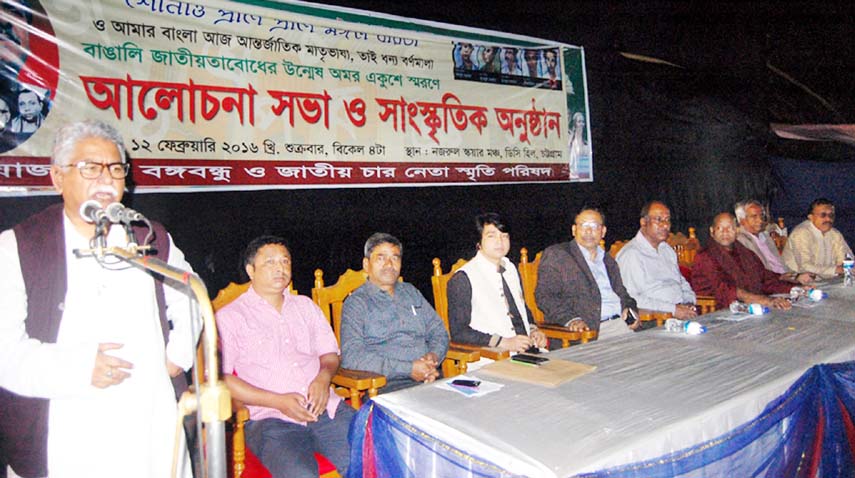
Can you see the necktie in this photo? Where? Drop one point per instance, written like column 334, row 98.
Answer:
column 513, row 311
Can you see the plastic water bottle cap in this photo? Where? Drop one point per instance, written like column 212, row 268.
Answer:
column 816, row 295
column 757, row 309
column 694, row 328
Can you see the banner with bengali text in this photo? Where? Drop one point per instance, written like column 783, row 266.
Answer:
column 261, row 95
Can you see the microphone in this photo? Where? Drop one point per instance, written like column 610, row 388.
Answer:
column 118, row 213
column 92, row 212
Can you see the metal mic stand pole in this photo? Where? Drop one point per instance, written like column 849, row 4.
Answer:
column 214, row 397
column 132, row 236
column 101, row 228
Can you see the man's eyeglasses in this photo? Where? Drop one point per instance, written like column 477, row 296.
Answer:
column 93, row 170
column 590, row 226
column 660, row 220
column 829, row 215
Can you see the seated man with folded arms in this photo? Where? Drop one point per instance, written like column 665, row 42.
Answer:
column 751, row 217
column 815, row 245
column 485, row 297
column 728, row 271
column 283, row 354
column 579, row 285
column 649, row 267
column 387, row 326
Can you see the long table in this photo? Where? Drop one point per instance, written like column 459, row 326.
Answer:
column 652, row 393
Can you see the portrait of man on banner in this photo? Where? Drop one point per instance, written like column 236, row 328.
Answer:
column 29, row 62
column 463, row 53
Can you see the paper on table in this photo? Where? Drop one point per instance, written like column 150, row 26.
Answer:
column 549, row 374
column 483, row 389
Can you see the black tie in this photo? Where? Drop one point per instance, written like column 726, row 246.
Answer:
column 513, row 312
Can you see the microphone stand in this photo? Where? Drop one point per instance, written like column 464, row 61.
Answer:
column 132, row 236
column 213, row 396
column 101, row 228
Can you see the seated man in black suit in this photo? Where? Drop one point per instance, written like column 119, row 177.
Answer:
column 579, row 285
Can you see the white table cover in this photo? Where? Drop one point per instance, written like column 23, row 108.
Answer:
column 653, row 392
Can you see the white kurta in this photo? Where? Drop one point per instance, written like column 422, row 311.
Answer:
column 126, row 430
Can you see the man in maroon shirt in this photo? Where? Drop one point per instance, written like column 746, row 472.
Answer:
column 729, row 271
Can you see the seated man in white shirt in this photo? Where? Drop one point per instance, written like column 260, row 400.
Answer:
column 815, row 245
column 751, row 217
column 649, row 268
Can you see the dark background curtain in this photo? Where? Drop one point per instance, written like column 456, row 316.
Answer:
column 695, row 136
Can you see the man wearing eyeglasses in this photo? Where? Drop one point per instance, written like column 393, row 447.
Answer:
column 815, row 245
column 579, row 286
column 752, row 219
column 87, row 347
column 649, row 267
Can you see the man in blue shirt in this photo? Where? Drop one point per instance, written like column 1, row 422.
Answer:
column 387, row 326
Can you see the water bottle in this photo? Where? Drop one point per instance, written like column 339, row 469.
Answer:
column 797, row 293
column 848, row 263
column 684, row 326
column 737, row 307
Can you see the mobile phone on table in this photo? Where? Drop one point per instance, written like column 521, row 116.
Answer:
column 466, row 383
column 529, row 359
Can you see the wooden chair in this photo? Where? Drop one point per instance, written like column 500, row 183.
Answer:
column 685, row 247
column 616, row 247
column 528, row 275
column 705, row 303
column 468, row 353
column 241, row 416
column 780, row 239
column 331, row 300
column 241, row 413
column 349, row 383
column 654, row 315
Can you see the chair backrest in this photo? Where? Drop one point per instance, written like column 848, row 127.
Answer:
column 676, row 239
column 224, row 297
column 528, row 276
column 232, row 291
column 439, row 281
column 331, row 298
column 687, row 250
column 705, row 303
column 229, row 293
column 616, row 247
column 779, row 235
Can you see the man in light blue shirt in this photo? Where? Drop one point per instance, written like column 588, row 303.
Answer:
column 649, row 268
